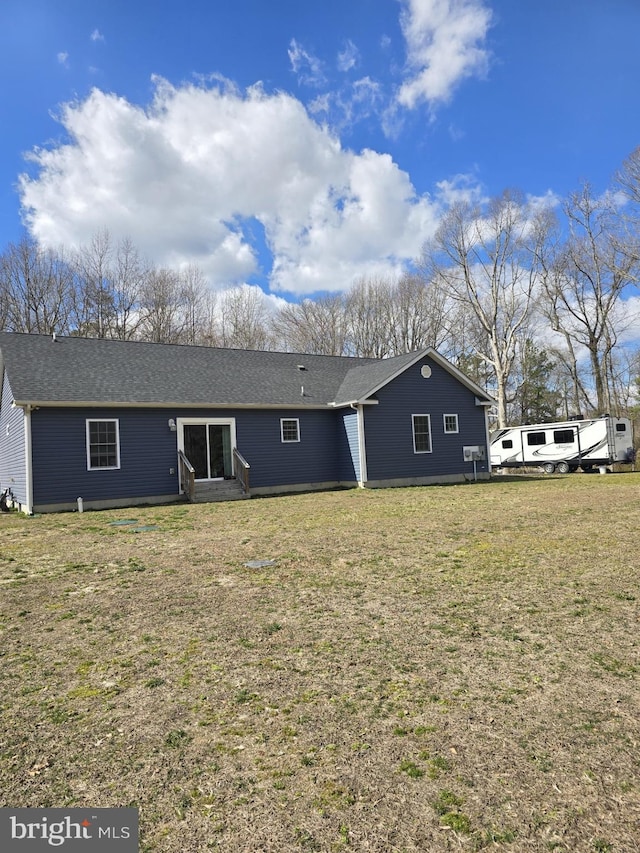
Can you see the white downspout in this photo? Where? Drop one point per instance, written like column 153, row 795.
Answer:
column 28, row 462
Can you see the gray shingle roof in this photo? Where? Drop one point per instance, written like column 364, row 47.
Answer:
column 82, row 370
column 71, row 371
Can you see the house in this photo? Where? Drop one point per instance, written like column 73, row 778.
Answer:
column 119, row 423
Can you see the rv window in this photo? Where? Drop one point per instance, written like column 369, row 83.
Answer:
column 621, row 427
column 507, row 444
column 535, row 438
column 563, row 436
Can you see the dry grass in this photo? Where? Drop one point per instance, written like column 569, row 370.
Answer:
column 432, row 669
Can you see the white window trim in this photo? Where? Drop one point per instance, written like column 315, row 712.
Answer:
column 444, row 423
column 289, row 440
column 88, row 441
column 413, row 430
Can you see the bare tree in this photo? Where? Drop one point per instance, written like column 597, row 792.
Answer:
column 35, row 289
column 488, row 261
column 316, row 326
column 244, row 319
column 161, row 315
column 628, row 177
column 194, row 298
column 584, row 279
column 127, row 281
column 94, row 305
column 419, row 314
column 367, row 310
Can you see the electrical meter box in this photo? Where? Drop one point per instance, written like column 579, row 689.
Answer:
column 473, row 452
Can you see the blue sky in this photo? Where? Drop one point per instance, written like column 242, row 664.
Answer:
column 299, row 145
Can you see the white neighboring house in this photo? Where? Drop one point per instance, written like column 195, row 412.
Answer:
column 564, row 446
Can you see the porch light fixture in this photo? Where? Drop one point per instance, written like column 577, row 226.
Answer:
column 172, row 425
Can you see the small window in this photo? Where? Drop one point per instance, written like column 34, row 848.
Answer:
column 535, row 438
column 103, row 444
column 507, row 444
column 289, row 429
column 563, row 436
column 621, row 427
column 421, row 433
column 451, row 423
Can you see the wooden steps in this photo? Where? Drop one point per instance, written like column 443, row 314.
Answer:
column 219, row 490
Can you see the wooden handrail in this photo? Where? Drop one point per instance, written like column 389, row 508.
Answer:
column 187, row 475
column 242, row 470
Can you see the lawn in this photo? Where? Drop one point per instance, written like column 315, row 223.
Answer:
column 425, row 669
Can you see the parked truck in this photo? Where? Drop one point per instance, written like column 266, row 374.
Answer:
column 564, row 446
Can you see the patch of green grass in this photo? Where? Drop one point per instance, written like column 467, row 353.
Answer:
column 411, row 769
column 177, row 738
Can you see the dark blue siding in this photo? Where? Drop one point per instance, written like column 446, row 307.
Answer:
column 388, row 426
column 148, row 450
column 12, row 446
column 314, row 459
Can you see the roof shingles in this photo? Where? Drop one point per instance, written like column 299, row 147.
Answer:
column 82, row 370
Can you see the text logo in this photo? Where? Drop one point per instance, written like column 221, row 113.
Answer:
column 31, row 830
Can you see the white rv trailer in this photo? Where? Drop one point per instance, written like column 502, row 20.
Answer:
column 564, row 446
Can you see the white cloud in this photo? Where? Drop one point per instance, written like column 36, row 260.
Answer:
column 307, row 67
column 460, row 189
column 63, row 58
column 352, row 103
column 445, row 45
column 189, row 177
column 96, row 35
column 349, row 57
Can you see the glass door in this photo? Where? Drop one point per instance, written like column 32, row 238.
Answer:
column 208, row 448
column 220, row 463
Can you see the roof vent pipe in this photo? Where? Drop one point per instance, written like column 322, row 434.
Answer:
column 54, row 337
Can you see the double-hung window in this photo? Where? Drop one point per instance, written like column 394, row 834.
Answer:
column 421, row 433
column 103, row 444
column 289, row 430
column 450, row 423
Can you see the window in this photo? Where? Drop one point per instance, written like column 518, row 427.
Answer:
column 451, row 423
column 621, row 427
column 563, row 436
column 289, row 429
column 507, row 444
column 103, row 444
column 535, row 438
column 421, row 433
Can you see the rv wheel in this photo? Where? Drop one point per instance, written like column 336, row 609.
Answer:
column 563, row 467
column 548, row 467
